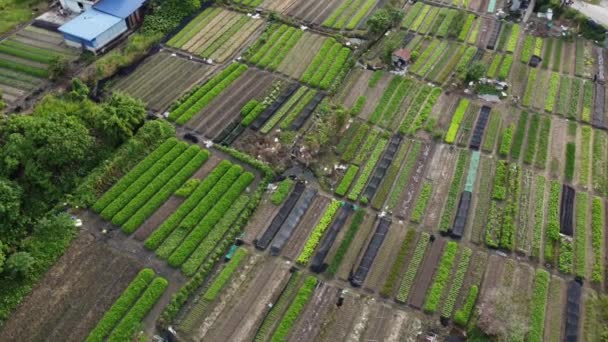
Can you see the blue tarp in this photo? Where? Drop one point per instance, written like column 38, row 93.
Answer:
column 119, row 8
column 89, row 25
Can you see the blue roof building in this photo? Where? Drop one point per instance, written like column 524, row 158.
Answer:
column 103, row 23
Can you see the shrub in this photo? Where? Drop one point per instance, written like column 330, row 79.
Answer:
column 367, row 170
column 537, row 305
column 294, row 310
column 121, row 306
column 346, row 241
column 282, row 191
column 462, row 316
column 347, row 180
column 167, row 227
column 408, row 279
column 422, row 202
column 570, row 160
column 317, row 232
column 456, row 120
column 441, row 277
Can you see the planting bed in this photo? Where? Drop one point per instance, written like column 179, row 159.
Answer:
column 163, row 78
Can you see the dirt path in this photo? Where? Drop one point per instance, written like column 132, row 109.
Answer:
column 493, row 276
column 339, row 319
column 425, row 275
column 260, row 220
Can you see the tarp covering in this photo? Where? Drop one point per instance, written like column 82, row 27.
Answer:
column 382, row 167
column 310, row 107
column 567, row 210
column 494, row 35
column 371, row 251
column 278, row 220
column 472, row 174
column 329, row 238
column 462, row 214
column 573, row 306
column 480, row 127
column 268, row 112
column 292, row 220
column 119, row 8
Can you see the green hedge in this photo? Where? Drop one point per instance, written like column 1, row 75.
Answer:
column 222, row 205
column 121, row 306
column 125, row 330
column 294, row 310
column 133, row 175
column 282, row 191
column 165, row 229
column 441, row 278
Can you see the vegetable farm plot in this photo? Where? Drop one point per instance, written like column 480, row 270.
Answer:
column 217, row 34
column 25, row 58
column 361, row 84
column 163, row 78
column 88, row 289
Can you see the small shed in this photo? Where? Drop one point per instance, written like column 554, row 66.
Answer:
column 92, row 30
column 401, row 58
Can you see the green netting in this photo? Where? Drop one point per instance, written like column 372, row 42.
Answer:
column 472, row 174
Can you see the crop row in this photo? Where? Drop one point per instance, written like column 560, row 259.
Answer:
column 347, row 137
column 155, row 201
column 318, row 231
column 424, row 56
column 283, row 189
column 575, row 93
column 543, row 143
column 393, row 275
column 140, row 184
column 222, row 278
column 358, row 106
column 342, row 13
column 493, row 68
column 465, row 60
column 441, row 278
column 553, row 211
column 530, row 87
column 505, row 67
column 564, row 95
column 277, row 34
column 198, row 213
column 499, row 190
column 580, row 230
column 411, row 15
column 368, row 146
column 346, row 241
column 121, row 306
column 532, row 137
column 285, row 108
column 391, row 174
column 506, row 140
column 404, row 176
column 412, row 269
column 448, row 62
column 494, row 225
column 570, row 160
column 463, row 266
column 422, row 201
column 598, row 178
column 507, row 237
column 186, row 189
column 456, row 120
column 277, row 309
column 219, row 232
column 537, row 306
column 426, row 24
column 363, row 10
column 520, row 134
column 420, row 18
column 193, row 27
column 425, row 112
column 528, row 49
column 474, row 33
column 356, row 142
column 297, row 108
column 411, row 122
column 492, row 131
column 512, row 42
column 190, row 204
column 391, row 92
column 539, row 214
column 295, row 308
column 221, row 206
column 552, row 92
column 462, row 316
column 443, row 29
column 132, row 320
column 585, row 159
column 29, row 70
column 452, row 195
column 26, row 52
column 597, row 236
column 123, row 184
column 347, row 180
column 587, row 101
column 462, row 36
column 155, row 193
column 200, row 98
column 367, row 171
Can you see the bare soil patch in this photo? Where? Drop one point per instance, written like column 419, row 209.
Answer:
column 308, row 326
column 301, row 55
column 443, row 160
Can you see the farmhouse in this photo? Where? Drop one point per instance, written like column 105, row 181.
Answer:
column 102, row 23
column 401, row 58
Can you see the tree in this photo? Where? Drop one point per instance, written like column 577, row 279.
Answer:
column 384, row 18
column 58, row 67
column 121, row 117
column 20, row 265
column 2, row 103
column 12, row 221
column 500, row 315
column 475, row 71
column 3, row 249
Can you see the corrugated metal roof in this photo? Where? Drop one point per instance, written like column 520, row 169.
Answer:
column 118, row 8
column 89, row 24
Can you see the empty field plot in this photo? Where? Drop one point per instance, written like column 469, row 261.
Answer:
column 163, row 78
column 217, row 34
column 25, row 58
